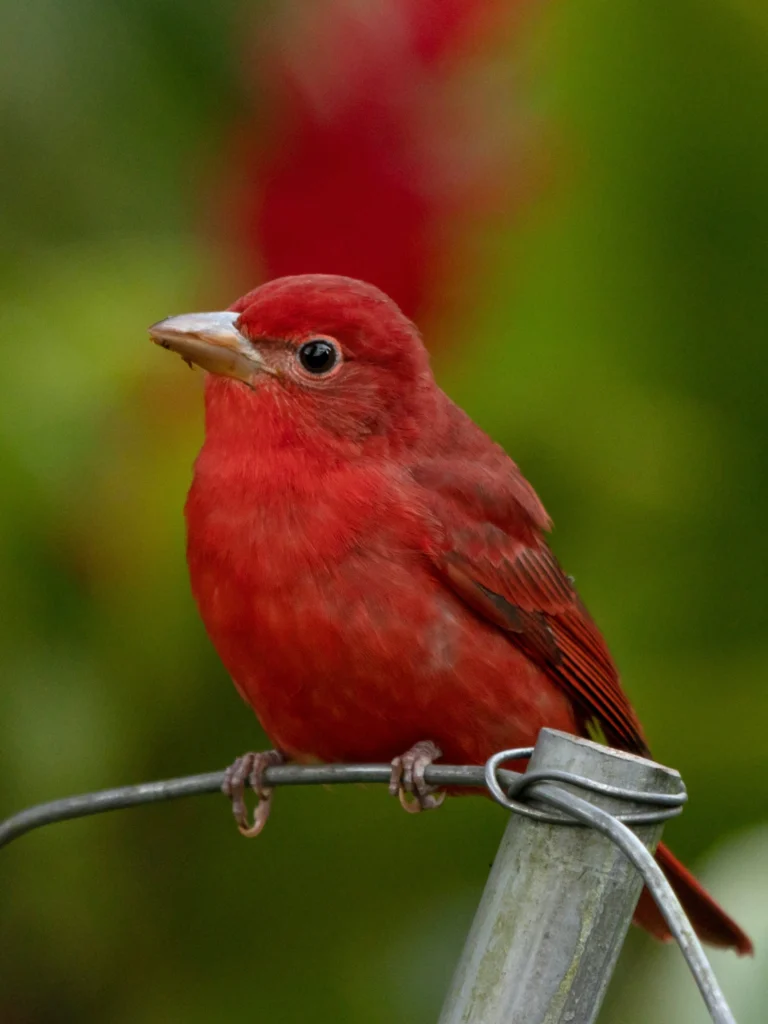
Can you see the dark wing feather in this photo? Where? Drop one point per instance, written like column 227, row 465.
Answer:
column 491, row 551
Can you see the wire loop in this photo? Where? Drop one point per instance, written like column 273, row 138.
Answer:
column 667, row 805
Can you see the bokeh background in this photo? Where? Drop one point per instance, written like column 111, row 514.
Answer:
column 572, row 199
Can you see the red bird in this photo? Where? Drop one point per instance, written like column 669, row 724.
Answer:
column 371, row 567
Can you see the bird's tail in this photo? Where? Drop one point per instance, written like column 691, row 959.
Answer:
column 710, row 921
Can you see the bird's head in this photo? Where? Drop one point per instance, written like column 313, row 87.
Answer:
column 313, row 354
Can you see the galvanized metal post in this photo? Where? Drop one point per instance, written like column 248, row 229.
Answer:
column 557, row 904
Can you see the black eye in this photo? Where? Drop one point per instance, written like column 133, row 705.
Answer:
column 318, row 356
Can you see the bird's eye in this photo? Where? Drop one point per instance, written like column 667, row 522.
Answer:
column 318, row 356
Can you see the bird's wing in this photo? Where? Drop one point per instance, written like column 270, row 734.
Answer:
column 488, row 547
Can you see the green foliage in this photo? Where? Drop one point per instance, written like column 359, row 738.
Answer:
column 615, row 344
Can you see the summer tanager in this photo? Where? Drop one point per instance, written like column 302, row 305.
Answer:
column 371, row 567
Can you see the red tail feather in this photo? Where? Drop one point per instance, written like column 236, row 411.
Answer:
column 710, row 921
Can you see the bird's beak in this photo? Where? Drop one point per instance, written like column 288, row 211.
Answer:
column 212, row 341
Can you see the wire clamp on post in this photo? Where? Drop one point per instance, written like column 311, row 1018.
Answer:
column 544, row 787
column 667, row 805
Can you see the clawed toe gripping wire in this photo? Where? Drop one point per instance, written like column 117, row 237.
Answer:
column 510, row 789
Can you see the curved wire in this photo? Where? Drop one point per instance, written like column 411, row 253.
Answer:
column 669, row 805
column 575, row 810
column 193, row 785
column 666, row 900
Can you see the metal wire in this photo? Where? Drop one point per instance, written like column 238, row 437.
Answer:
column 508, row 788
column 575, row 810
column 668, row 805
column 194, row 785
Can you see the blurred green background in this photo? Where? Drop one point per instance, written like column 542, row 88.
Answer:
column 605, row 320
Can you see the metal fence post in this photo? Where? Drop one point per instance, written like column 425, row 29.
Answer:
column 558, row 902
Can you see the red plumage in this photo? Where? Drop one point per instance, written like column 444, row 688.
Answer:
column 372, row 568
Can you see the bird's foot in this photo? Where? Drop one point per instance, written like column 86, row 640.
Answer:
column 407, row 782
column 250, row 769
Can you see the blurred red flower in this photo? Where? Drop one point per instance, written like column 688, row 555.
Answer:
column 373, row 135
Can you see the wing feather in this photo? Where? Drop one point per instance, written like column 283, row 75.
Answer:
column 490, row 549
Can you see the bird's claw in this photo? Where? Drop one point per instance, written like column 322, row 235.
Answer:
column 250, row 769
column 407, row 780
